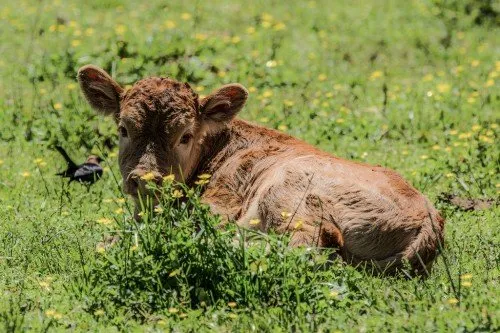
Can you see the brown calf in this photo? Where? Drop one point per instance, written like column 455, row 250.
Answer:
column 370, row 213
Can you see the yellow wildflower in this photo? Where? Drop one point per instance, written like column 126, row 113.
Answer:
column 280, row 26
column 285, row 214
column 58, row 106
column 436, row 147
column 232, row 304
column 322, row 77
column 271, row 63
column 254, row 222
column 186, row 16
column 340, row 120
column 158, row 210
column 443, row 88
column 283, row 127
column 467, row 284
column 474, row 63
column 428, row 77
column 169, row 178
column 120, row 29
column 489, row 83
column 205, row 176
column 173, row 310
column 334, row 293
column 148, row 176
column 99, row 312
column 375, row 75
column 76, row 42
column 252, row 89
column 267, row 94
column 177, row 194
column 452, row 301
column 250, row 30
column 105, row 221
column 26, row 174
column 298, row 225
column 119, row 211
column 169, row 24
column 236, row 39
column 53, row 314
column 424, row 157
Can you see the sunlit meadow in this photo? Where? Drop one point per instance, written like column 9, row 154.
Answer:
column 413, row 85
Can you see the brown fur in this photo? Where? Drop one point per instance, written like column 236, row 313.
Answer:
column 370, row 213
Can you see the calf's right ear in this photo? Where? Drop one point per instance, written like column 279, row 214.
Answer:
column 100, row 90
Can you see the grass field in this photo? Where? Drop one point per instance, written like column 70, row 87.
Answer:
column 412, row 85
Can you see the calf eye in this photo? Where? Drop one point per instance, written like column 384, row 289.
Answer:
column 186, row 138
column 123, row 131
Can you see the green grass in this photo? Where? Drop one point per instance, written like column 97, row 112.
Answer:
column 413, row 85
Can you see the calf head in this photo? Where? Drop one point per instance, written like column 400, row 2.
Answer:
column 161, row 123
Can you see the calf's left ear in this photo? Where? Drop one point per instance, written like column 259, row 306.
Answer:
column 223, row 104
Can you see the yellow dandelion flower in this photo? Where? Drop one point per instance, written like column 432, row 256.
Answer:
column 119, row 211
column 466, row 284
column 177, row 194
column 340, row 121
column 424, row 157
column 267, row 94
column 266, row 24
column 26, row 174
column 443, row 88
column 169, row 24
column 489, row 83
column 186, row 16
column 283, row 127
column 285, row 214
column 105, row 221
column 199, row 88
column 476, row 128
column 169, row 178
column 76, row 42
column 279, row 26
column 134, row 248
column 120, row 29
column 38, row 160
column 288, row 103
column 271, row 63
column 322, row 77
column 205, row 176
column 65, row 213
column 485, row 139
column 120, row 200
column 232, row 304
column 58, row 106
column 77, row 33
column 107, row 200
column 252, row 89
column 148, row 176
column 45, row 285
column 471, row 100
column 1, row 162
column 100, row 249
column 232, row 315
column 493, row 126
column 452, row 301
column 436, row 147
column 250, row 30
column 221, row 74
column 161, row 322
column 71, row 86
column 200, row 37
column 158, row 210
column 173, row 310
column 375, row 75
column 53, row 314
column 235, row 39
column 329, row 95
column 334, row 293
column 405, row 152
column 298, row 225
column 266, row 17
column 453, row 132
column 99, row 312
column 466, row 135
column 254, row 222
column 89, row 32
column 474, row 63
column 264, row 120
column 448, row 149
column 428, row 77
column 450, row 175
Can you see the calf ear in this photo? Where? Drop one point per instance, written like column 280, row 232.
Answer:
column 223, row 104
column 100, row 90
